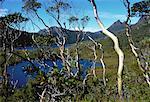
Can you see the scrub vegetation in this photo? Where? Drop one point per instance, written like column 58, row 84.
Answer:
column 124, row 56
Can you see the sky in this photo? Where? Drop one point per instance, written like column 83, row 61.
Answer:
column 109, row 12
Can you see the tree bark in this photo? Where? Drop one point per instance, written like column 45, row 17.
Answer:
column 116, row 47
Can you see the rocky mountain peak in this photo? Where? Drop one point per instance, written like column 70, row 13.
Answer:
column 117, row 26
column 118, row 22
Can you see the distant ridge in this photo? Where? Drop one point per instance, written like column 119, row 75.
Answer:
column 71, row 36
column 141, row 21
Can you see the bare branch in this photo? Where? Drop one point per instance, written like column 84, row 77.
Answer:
column 101, row 59
column 84, row 80
column 42, row 95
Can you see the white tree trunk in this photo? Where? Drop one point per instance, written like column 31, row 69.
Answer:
column 116, row 46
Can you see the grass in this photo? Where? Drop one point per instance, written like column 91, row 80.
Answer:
column 135, row 87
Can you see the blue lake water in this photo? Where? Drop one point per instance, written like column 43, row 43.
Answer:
column 17, row 72
column 26, row 48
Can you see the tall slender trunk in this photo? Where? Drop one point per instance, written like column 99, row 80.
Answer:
column 116, row 47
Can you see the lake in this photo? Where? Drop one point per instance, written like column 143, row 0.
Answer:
column 17, row 73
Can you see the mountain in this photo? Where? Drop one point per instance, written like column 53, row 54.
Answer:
column 24, row 39
column 143, row 20
column 71, row 35
column 140, row 33
column 117, row 26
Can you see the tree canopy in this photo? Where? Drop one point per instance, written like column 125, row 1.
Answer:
column 141, row 8
column 31, row 5
column 13, row 18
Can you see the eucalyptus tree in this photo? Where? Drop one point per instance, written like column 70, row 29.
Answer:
column 116, row 46
column 10, row 22
column 78, row 25
column 141, row 8
column 138, row 9
column 9, row 35
column 64, row 85
column 55, row 11
column 32, row 6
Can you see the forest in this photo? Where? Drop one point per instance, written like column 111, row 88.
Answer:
column 51, row 51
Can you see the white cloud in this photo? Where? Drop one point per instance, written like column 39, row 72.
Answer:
column 3, row 12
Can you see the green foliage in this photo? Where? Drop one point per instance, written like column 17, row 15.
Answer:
column 84, row 21
column 73, row 19
column 13, row 18
column 72, row 88
column 55, row 10
column 145, row 42
column 44, row 40
column 31, row 5
column 25, row 94
column 141, row 8
column 76, row 22
column 58, row 6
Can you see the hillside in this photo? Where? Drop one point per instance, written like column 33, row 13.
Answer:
column 24, row 38
column 139, row 31
column 71, row 35
column 117, row 28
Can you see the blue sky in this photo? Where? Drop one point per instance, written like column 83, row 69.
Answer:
column 109, row 12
